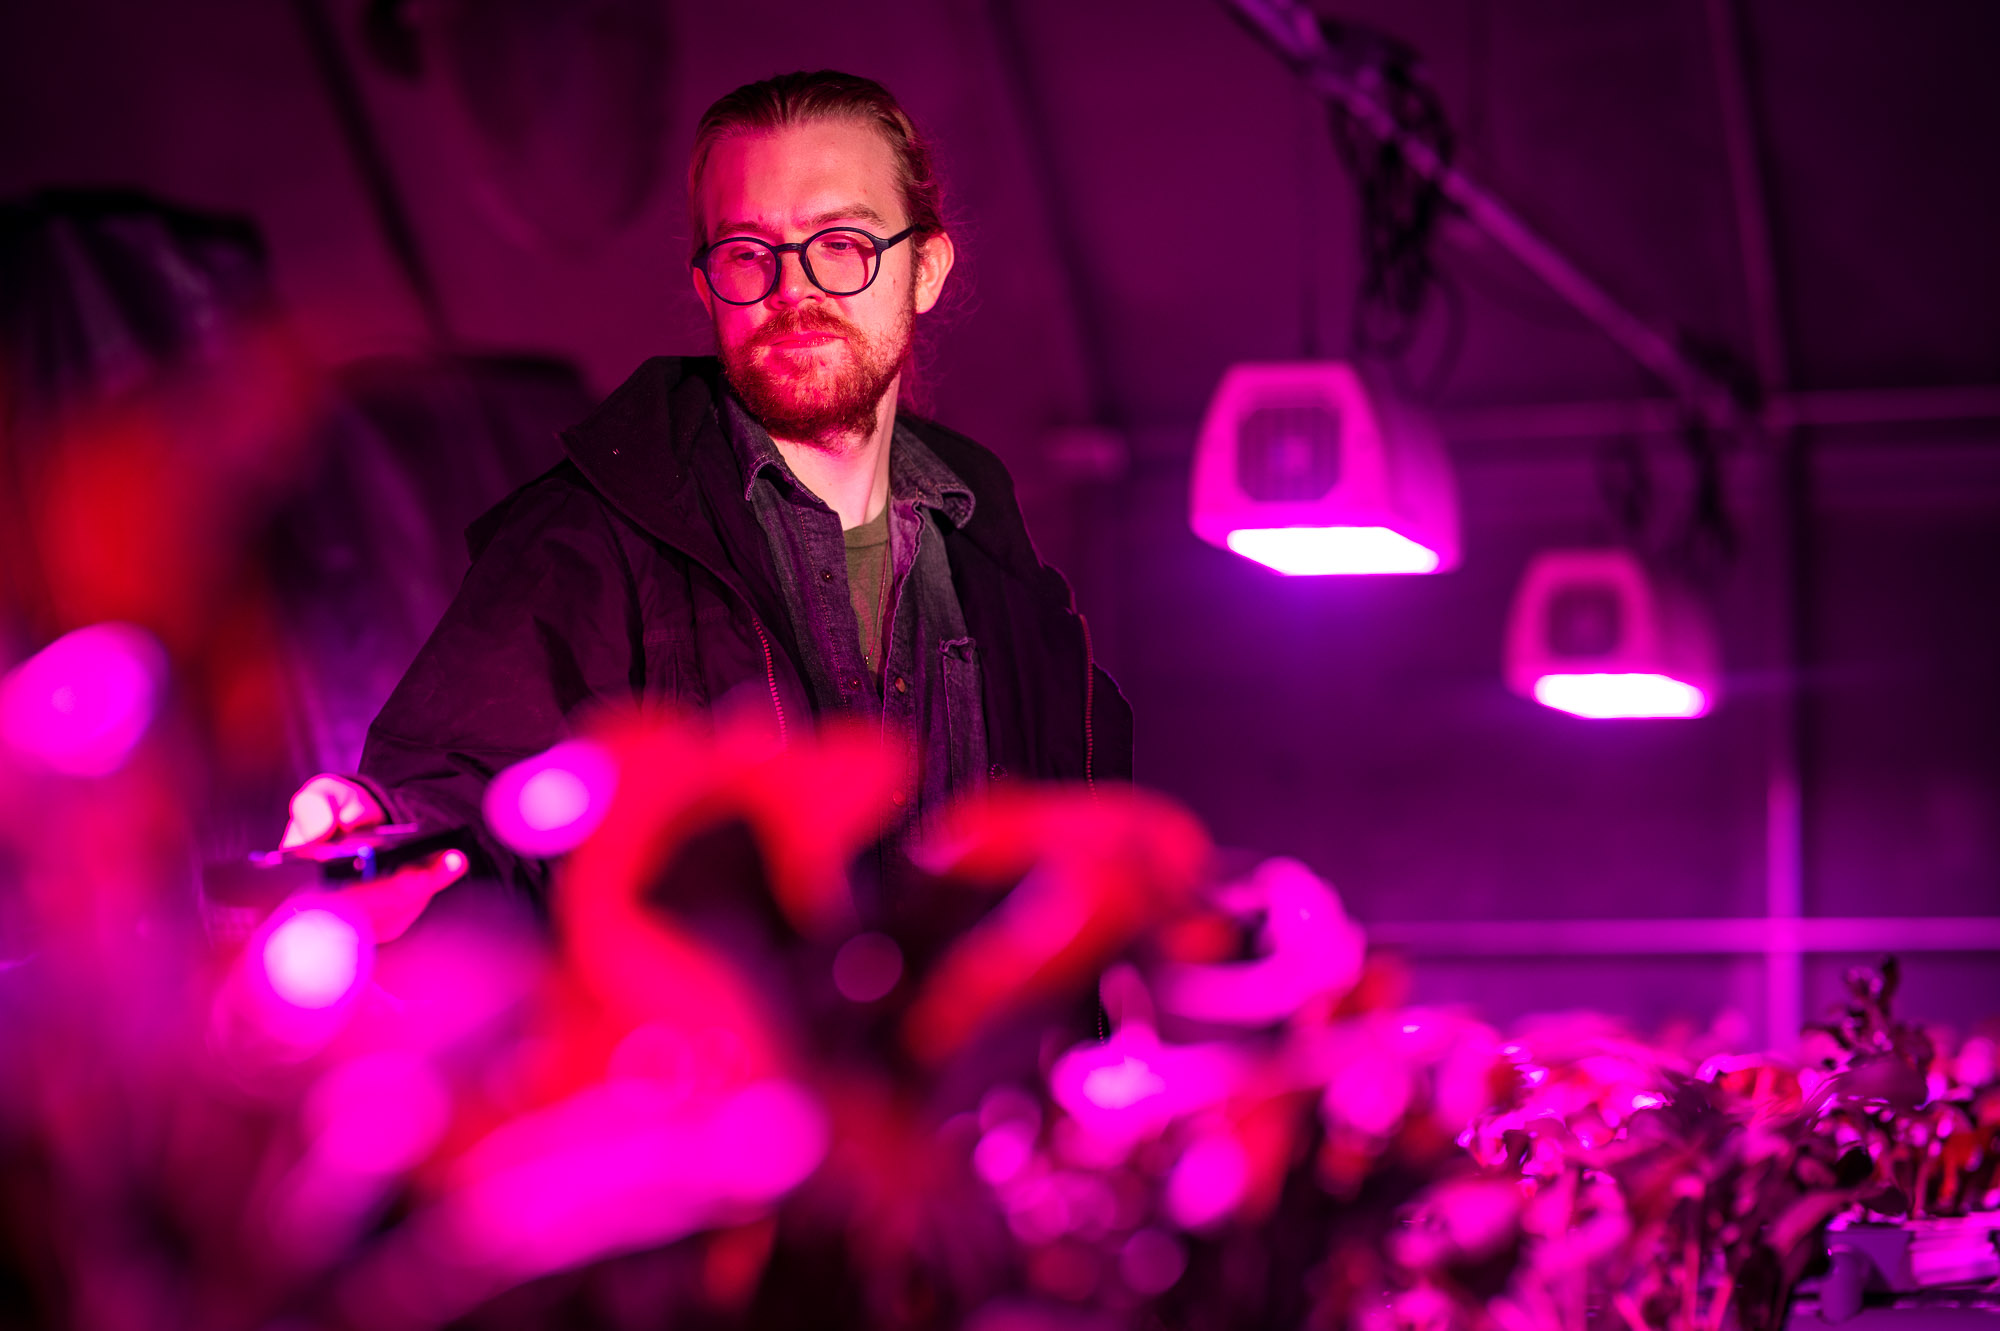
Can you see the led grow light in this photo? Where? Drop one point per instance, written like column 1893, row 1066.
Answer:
column 1304, row 470
column 1593, row 634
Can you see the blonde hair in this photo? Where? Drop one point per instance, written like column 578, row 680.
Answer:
column 806, row 98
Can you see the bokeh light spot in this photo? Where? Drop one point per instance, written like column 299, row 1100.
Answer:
column 553, row 797
column 867, row 967
column 549, row 804
column 312, row 959
column 81, row 703
column 1207, row 1183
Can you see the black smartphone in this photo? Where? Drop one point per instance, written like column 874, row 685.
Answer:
column 266, row 878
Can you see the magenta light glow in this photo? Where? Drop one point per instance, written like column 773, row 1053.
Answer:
column 1598, row 634
column 379, row 1113
column 1208, row 1182
column 1311, row 551
column 548, row 804
column 81, row 703
column 1128, row 1088
column 627, row 1165
column 1621, row 696
column 1310, row 947
column 313, row 959
column 1304, row 468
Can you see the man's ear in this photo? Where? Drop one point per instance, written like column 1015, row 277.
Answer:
column 702, row 293
column 934, row 260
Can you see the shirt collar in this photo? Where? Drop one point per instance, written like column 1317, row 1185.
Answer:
column 915, row 473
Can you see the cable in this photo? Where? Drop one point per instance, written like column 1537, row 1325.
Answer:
column 1400, row 206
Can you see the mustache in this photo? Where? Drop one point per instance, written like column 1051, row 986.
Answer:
column 803, row 319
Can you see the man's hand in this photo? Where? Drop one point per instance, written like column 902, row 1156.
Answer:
column 327, row 808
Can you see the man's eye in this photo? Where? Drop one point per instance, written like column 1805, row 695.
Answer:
column 743, row 255
column 839, row 245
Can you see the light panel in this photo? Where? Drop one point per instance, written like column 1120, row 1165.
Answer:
column 1305, row 468
column 1597, row 634
column 1621, row 696
column 1309, row 551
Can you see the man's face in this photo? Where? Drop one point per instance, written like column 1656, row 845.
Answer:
column 810, row 366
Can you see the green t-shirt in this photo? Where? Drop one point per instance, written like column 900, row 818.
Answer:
column 868, row 583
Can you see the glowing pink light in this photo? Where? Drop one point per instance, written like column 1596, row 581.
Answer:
column 550, row 803
column 1371, row 1094
column 1131, row 1086
column 81, row 703
column 626, row 1165
column 1311, row 948
column 1209, row 1181
column 1004, row 1152
column 1618, row 697
column 1122, row 1085
column 378, row 1114
column 553, row 797
column 1311, row 551
column 1303, row 467
column 313, row 959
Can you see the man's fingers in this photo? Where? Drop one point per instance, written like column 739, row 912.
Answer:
column 357, row 808
column 393, row 903
column 326, row 805
column 312, row 818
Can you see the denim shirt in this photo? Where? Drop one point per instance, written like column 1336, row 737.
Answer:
column 928, row 691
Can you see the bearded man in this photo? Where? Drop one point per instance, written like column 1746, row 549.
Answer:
column 764, row 529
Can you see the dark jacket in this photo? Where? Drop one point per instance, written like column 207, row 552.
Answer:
column 636, row 570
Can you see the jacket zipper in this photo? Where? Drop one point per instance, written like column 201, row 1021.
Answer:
column 778, row 703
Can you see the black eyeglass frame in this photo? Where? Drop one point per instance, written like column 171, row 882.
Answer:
column 798, row 247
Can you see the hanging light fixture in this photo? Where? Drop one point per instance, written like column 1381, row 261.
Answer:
column 1302, row 469
column 1593, row 634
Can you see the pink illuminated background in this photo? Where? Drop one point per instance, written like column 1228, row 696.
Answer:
column 1795, row 197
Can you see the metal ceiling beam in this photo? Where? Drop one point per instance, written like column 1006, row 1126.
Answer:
column 1714, row 936
column 1660, row 415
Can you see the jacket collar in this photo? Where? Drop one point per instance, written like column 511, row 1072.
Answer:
column 657, row 451
column 915, row 473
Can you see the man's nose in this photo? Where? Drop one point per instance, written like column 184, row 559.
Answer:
column 793, row 284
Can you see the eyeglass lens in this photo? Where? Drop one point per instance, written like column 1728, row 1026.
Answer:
column 840, row 263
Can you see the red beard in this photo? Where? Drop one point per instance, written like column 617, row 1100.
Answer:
column 802, row 399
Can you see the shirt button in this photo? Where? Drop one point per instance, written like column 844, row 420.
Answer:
column 826, row 575
column 899, row 799
column 852, row 683
column 902, row 685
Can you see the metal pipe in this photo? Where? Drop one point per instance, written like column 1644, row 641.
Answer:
column 1656, row 415
column 1790, row 574
column 1717, row 936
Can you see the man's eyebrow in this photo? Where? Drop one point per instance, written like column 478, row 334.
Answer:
column 859, row 212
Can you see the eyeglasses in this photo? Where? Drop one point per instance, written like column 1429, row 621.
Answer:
column 841, row 261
